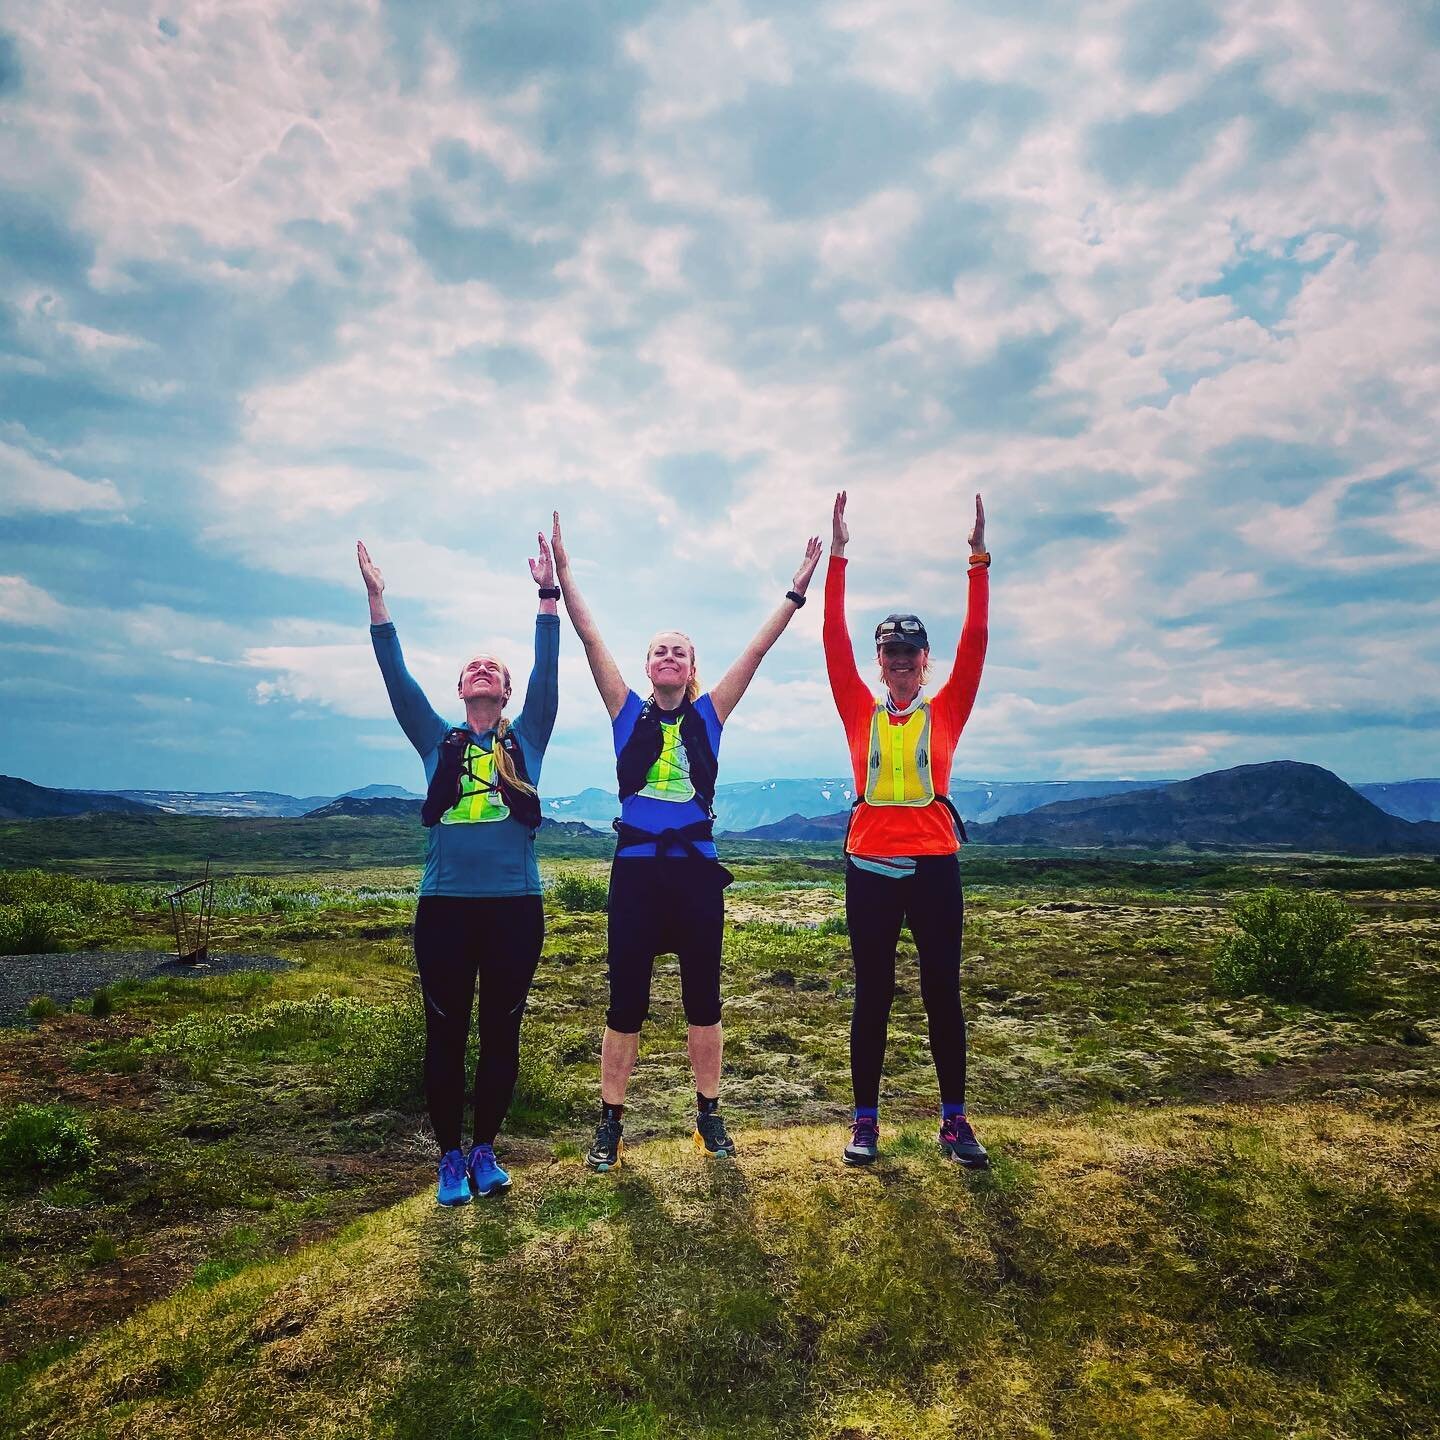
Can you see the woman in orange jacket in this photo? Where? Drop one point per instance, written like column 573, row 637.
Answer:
column 902, row 849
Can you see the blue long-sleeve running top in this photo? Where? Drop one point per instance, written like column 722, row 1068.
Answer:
column 487, row 859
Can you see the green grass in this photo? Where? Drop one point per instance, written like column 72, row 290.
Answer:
column 237, row 1115
column 1165, row 1274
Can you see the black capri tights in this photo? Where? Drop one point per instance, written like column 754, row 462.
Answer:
column 660, row 906
column 460, row 939
column 932, row 903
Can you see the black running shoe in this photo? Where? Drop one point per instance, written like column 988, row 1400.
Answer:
column 605, row 1152
column 712, row 1137
column 864, row 1146
column 958, row 1143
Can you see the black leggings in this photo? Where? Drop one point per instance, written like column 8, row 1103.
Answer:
column 457, row 939
column 933, row 904
column 660, row 906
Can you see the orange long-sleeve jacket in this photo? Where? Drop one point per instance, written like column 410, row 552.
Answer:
column 882, row 830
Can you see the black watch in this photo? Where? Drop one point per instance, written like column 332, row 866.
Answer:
column 549, row 592
column 799, row 600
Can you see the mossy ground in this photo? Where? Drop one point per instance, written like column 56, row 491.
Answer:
column 1207, row 1216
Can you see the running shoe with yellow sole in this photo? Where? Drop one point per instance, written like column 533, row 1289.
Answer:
column 605, row 1152
column 711, row 1137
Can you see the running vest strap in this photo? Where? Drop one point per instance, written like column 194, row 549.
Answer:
column 646, row 745
column 447, row 787
column 945, row 800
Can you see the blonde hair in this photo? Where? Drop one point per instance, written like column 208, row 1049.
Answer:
column 504, row 765
column 692, row 685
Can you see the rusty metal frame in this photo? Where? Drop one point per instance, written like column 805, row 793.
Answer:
column 192, row 930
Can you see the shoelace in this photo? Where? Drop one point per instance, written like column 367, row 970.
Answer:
column 957, row 1127
column 864, row 1132
column 482, row 1155
column 452, row 1167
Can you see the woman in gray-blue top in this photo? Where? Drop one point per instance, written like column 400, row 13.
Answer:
column 480, row 916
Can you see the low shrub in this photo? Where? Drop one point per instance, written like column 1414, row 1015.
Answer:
column 35, row 927
column 42, row 1007
column 45, row 1140
column 381, row 1061
column 572, row 891
column 1292, row 946
column 102, row 1003
column 544, row 1095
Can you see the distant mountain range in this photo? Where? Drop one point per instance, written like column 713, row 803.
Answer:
column 252, row 802
column 1284, row 804
column 746, row 805
column 20, row 800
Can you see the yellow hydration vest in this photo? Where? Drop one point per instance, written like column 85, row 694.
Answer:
column 669, row 777
column 900, row 759
column 480, row 798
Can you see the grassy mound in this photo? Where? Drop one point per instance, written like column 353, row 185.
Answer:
column 1153, row 1273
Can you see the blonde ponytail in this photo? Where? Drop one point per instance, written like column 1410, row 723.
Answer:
column 504, row 765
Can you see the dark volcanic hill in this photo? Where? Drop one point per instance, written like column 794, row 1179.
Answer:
column 798, row 827
column 368, row 805
column 1283, row 805
column 20, row 800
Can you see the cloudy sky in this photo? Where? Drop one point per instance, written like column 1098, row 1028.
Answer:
column 1160, row 279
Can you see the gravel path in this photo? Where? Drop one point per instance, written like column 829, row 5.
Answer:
column 82, row 972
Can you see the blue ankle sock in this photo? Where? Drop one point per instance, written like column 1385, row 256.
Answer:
column 867, row 1112
column 947, row 1110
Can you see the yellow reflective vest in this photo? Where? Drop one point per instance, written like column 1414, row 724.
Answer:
column 899, row 771
column 669, row 777
column 480, row 799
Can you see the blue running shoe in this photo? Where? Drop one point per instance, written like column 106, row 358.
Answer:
column 454, row 1186
column 486, row 1175
column 958, row 1142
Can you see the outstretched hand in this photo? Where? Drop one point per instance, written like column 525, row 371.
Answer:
column 374, row 580
column 977, row 531
column 542, row 571
column 557, row 543
column 839, row 530
column 807, row 566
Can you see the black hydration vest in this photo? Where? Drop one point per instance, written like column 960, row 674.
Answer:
column 444, row 791
column 647, row 740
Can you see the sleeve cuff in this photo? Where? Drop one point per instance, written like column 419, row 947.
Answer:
column 388, row 628
column 541, row 618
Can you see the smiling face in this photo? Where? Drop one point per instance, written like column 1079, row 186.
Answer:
column 484, row 678
column 902, row 670
column 670, row 660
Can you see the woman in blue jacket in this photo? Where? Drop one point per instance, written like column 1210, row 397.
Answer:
column 480, row 916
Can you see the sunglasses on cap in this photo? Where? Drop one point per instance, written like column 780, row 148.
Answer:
column 901, row 630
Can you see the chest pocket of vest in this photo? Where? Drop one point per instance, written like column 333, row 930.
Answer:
column 899, row 771
column 480, row 800
column 669, row 777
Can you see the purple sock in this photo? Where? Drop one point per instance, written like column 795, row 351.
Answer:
column 947, row 1109
column 867, row 1112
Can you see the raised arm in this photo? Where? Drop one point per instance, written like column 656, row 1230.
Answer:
column 852, row 696
column 736, row 680
column 374, row 585
column 957, row 694
column 542, row 695
column 422, row 726
column 608, row 680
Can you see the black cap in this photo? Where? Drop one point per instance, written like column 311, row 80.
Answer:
column 900, row 629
